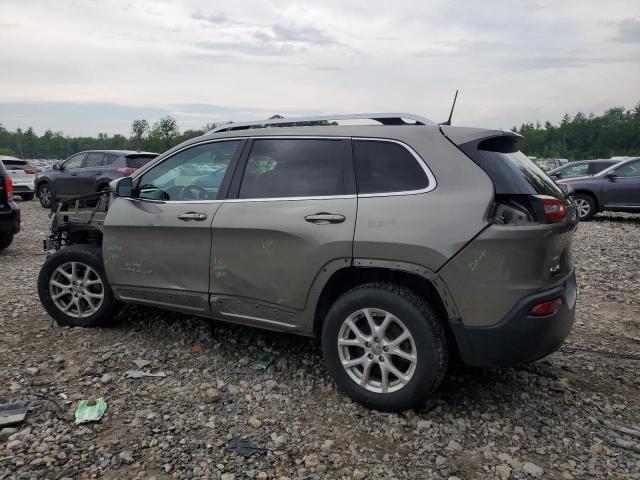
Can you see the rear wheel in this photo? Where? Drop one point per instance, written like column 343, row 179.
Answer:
column 384, row 346
column 27, row 196
column 585, row 205
column 45, row 195
column 5, row 240
column 73, row 288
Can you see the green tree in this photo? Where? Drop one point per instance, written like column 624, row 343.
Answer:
column 165, row 130
column 138, row 130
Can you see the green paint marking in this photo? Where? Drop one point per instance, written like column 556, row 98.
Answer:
column 474, row 264
column 114, row 248
column 381, row 223
column 260, row 166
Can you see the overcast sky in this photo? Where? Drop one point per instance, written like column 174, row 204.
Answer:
column 86, row 66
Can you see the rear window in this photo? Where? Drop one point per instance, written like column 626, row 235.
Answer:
column 511, row 172
column 15, row 164
column 385, row 167
column 139, row 161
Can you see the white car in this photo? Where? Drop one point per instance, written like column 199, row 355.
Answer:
column 22, row 175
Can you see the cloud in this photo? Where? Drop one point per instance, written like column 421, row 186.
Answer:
column 629, row 31
column 216, row 19
column 308, row 34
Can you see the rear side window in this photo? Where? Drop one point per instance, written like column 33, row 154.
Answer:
column 385, row 167
column 278, row 168
column 138, row 161
column 509, row 169
column 94, row 159
column 110, row 158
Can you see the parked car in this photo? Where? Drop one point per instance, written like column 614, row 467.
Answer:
column 9, row 211
column 615, row 189
column 22, row 175
column 376, row 239
column 87, row 172
column 581, row 168
column 548, row 164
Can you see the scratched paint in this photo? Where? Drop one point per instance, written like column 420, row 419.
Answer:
column 381, row 223
column 474, row 264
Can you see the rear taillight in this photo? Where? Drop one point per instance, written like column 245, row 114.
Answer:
column 8, row 186
column 546, row 308
column 30, row 171
column 554, row 208
column 127, row 170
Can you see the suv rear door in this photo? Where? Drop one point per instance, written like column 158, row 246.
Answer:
column 623, row 189
column 157, row 244
column 290, row 217
column 89, row 173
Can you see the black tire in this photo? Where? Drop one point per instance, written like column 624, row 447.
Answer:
column 87, row 255
column 5, row 240
column 587, row 201
column 45, row 195
column 27, row 196
column 419, row 319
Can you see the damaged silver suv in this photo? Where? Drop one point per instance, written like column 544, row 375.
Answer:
column 398, row 244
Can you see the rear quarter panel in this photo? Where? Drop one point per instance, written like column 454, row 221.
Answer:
column 426, row 229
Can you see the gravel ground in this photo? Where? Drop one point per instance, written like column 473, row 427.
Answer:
column 575, row 414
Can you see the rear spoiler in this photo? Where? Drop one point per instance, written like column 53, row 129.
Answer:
column 462, row 135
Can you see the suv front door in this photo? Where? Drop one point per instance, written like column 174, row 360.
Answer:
column 65, row 180
column 157, row 244
column 623, row 189
column 290, row 218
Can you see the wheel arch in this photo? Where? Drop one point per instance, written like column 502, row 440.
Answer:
column 418, row 279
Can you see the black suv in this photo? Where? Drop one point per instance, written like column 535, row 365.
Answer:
column 87, row 172
column 9, row 211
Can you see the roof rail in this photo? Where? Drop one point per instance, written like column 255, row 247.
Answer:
column 383, row 118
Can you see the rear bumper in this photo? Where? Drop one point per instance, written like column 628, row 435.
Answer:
column 27, row 186
column 519, row 338
column 10, row 219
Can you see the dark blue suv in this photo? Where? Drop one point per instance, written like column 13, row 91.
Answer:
column 87, row 172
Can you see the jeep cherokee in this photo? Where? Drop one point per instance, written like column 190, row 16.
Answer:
column 398, row 245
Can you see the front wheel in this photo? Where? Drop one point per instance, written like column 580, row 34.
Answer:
column 384, row 346
column 45, row 195
column 73, row 288
column 585, row 205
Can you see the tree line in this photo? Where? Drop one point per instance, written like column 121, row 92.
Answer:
column 159, row 137
column 581, row 137
column 615, row 132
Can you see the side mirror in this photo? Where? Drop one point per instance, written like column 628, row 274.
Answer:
column 122, row 187
column 57, row 166
column 611, row 175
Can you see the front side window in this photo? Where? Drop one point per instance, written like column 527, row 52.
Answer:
column 74, row 162
column 281, row 168
column 576, row 170
column 386, row 167
column 94, row 159
column 631, row 169
column 192, row 174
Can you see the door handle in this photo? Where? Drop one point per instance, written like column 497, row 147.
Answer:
column 197, row 216
column 323, row 218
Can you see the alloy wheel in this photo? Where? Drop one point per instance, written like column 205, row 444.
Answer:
column 76, row 289
column 583, row 207
column 45, row 195
column 377, row 350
